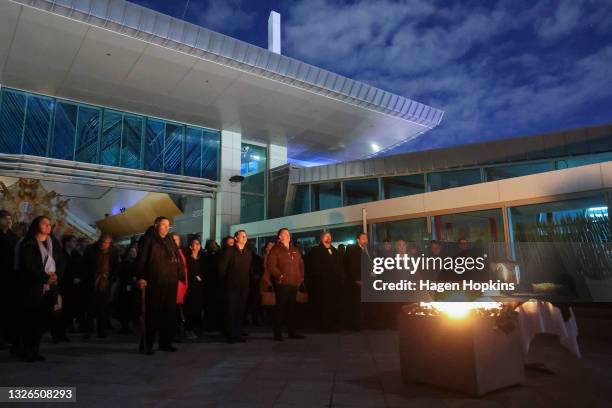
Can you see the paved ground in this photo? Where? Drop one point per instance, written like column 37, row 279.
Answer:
column 347, row 369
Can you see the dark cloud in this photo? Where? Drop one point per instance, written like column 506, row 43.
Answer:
column 497, row 68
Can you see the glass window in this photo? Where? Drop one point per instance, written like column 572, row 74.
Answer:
column 64, row 131
column 301, row 201
column 360, row 191
column 131, row 141
column 173, row 148
column 563, row 242
column 306, row 239
column 344, row 235
column 253, row 189
column 110, row 140
column 44, row 126
column 88, row 129
column 486, row 226
column 37, row 121
column 325, row 196
column 210, row 154
column 11, row 121
column 400, row 186
column 584, row 160
column 451, row 179
column 517, row 170
column 412, row 230
column 193, row 151
column 551, row 221
column 154, row 145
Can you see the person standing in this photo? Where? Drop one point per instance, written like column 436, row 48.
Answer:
column 194, row 299
column 40, row 262
column 159, row 270
column 69, row 282
column 8, row 241
column 128, row 289
column 325, row 267
column 286, row 267
column 181, row 289
column 235, row 268
column 101, row 267
column 356, row 259
column 213, row 292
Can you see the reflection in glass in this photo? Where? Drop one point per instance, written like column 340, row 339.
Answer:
column 38, row 118
column 131, row 141
column 193, row 151
column 154, row 145
column 88, row 129
column 173, row 148
column 210, row 154
column 11, row 121
column 110, row 140
column 64, row 131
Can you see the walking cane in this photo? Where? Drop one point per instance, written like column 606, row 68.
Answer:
column 143, row 324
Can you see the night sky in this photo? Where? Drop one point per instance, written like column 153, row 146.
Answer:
column 498, row 69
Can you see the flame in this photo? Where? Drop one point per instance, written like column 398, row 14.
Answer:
column 459, row 310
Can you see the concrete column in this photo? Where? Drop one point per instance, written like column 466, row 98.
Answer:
column 228, row 195
column 277, row 155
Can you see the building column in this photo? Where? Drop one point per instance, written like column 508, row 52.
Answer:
column 277, row 155
column 228, row 194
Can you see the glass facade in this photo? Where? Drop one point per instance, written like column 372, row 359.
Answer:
column 411, row 230
column 550, row 221
column 49, row 127
column 253, row 166
column 451, row 179
column 360, row 191
column 563, row 242
column 485, row 226
column 517, row 170
column 325, row 196
column 400, row 186
column 301, row 199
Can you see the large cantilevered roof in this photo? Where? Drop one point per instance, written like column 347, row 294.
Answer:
column 119, row 54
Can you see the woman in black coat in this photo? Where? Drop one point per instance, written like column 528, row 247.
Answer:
column 40, row 262
column 194, row 299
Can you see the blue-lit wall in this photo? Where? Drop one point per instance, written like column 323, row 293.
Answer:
column 50, row 127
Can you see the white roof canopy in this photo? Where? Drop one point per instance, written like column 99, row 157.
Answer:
column 118, row 54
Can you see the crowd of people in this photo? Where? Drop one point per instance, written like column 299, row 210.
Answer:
column 165, row 290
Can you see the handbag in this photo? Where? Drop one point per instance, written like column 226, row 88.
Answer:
column 301, row 295
column 268, row 297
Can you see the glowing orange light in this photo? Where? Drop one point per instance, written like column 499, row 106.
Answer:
column 459, row 310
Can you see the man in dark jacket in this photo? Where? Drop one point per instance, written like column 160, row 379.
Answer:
column 8, row 240
column 286, row 268
column 235, row 268
column 101, row 267
column 324, row 266
column 159, row 269
column 356, row 259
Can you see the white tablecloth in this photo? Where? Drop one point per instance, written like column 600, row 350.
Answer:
column 536, row 317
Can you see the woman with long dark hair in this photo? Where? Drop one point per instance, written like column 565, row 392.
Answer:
column 40, row 263
column 194, row 299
